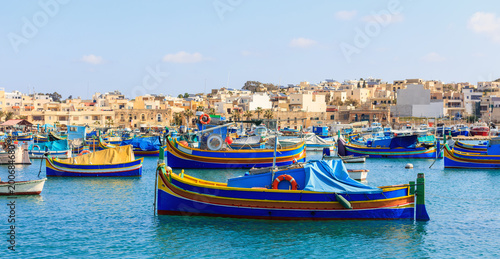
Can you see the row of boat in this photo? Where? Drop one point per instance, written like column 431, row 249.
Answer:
column 279, row 184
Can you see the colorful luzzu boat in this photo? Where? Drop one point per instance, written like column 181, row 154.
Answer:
column 320, row 190
column 58, row 148
column 119, row 161
column 183, row 156
column 471, row 148
column 396, row 147
column 23, row 136
column 458, row 159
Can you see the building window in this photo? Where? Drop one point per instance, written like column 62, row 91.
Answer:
column 143, row 117
column 158, row 117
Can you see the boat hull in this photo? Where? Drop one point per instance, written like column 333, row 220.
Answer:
column 178, row 199
column 179, row 156
column 421, row 152
column 33, row 187
column 457, row 159
column 40, row 154
column 55, row 168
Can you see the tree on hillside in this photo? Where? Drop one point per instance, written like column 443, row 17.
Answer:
column 200, row 108
column 268, row 114
column 248, row 115
column 328, row 96
column 2, row 113
column 56, row 97
column 188, row 114
column 70, row 97
column 186, row 95
column 338, row 102
column 352, row 102
column 211, row 111
column 236, row 114
column 253, row 85
column 177, row 117
column 180, row 96
column 258, row 111
column 9, row 116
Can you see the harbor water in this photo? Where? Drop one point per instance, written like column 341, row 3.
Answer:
column 114, row 217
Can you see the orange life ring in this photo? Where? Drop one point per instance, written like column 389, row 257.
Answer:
column 284, row 177
column 84, row 152
column 205, row 118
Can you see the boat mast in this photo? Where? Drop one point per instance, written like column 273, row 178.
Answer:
column 275, row 147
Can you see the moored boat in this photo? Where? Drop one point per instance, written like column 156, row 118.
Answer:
column 395, row 147
column 180, row 155
column 480, row 129
column 19, row 155
column 119, row 161
column 487, row 160
column 32, row 187
column 318, row 190
column 481, row 148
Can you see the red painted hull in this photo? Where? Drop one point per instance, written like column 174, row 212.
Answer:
column 480, row 131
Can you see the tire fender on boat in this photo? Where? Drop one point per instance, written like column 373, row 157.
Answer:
column 216, row 138
column 285, row 177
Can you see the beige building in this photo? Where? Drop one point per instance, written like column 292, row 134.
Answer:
column 307, row 101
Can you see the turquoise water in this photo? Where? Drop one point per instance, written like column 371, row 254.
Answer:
column 99, row 217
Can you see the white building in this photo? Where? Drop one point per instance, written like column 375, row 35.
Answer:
column 470, row 99
column 415, row 101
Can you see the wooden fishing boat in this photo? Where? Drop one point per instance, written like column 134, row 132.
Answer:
column 480, row 129
column 32, row 187
column 313, row 143
column 318, row 190
column 358, row 174
column 458, row 159
column 19, row 157
column 23, row 137
column 57, row 148
column 396, row 147
column 183, row 156
column 40, row 138
column 119, row 161
column 471, row 148
column 348, row 159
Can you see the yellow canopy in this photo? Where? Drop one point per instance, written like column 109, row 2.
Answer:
column 120, row 154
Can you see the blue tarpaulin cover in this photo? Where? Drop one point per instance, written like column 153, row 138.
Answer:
column 332, row 176
column 317, row 176
column 145, row 144
column 58, row 145
column 404, row 141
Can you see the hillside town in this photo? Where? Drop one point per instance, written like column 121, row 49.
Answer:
column 296, row 105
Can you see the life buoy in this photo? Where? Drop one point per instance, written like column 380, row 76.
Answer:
column 214, row 142
column 84, row 152
column 33, row 147
column 284, row 177
column 205, row 118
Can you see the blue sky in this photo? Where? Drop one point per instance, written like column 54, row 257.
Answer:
column 172, row 47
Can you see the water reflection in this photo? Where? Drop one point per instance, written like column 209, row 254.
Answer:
column 225, row 236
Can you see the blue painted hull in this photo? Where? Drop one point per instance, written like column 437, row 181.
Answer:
column 172, row 205
column 179, row 156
